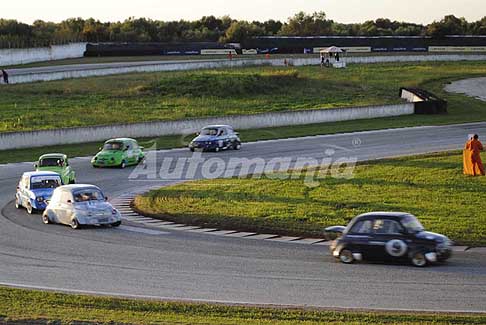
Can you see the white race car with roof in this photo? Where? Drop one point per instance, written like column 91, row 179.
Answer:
column 79, row 205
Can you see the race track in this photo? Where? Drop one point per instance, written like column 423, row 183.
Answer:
column 190, row 266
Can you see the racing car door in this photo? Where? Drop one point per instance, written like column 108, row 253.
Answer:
column 389, row 240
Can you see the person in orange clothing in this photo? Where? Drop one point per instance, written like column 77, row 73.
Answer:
column 472, row 158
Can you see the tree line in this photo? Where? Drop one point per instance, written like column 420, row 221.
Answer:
column 14, row 34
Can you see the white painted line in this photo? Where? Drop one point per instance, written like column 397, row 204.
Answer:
column 322, row 243
column 187, row 228
column 130, row 218
column 173, row 226
column 308, row 241
column 201, row 230
column 284, row 239
column 477, row 250
column 143, row 230
column 153, row 221
column 459, row 248
column 262, row 236
column 144, row 219
column 221, row 232
column 241, row 234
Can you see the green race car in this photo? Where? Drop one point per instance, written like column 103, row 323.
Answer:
column 58, row 163
column 119, row 152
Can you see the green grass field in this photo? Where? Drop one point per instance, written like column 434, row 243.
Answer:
column 36, row 307
column 432, row 187
column 192, row 94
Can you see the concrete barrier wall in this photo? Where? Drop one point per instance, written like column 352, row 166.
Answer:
column 211, row 64
column 54, row 52
column 15, row 140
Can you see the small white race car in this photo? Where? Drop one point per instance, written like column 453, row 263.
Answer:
column 78, row 205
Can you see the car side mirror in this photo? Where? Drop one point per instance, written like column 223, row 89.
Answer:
column 197, row 133
column 106, row 198
column 100, row 148
column 35, row 165
column 69, row 201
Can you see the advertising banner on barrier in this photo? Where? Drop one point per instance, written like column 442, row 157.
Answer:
column 349, row 49
column 249, row 51
column 218, row 52
column 457, row 48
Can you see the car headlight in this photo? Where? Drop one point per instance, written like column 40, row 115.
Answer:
column 114, row 212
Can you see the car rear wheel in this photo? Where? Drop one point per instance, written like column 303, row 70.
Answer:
column 116, row 224
column 216, row 149
column 237, row 145
column 419, row 260
column 45, row 218
column 346, row 256
column 123, row 164
column 192, row 149
column 74, row 224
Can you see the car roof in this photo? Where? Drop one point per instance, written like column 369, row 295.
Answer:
column 120, row 140
column 397, row 215
column 46, row 173
column 73, row 187
column 53, row 155
column 218, row 126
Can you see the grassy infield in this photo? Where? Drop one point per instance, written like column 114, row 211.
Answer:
column 441, row 196
column 25, row 307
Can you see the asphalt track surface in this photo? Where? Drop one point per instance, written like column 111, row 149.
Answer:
column 189, row 266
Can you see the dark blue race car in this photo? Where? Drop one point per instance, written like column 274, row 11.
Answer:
column 216, row 138
column 388, row 236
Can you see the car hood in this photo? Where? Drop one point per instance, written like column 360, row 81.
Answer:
column 46, row 193
column 109, row 153
column 201, row 138
column 431, row 236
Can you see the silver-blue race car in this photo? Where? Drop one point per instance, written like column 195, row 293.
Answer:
column 78, row 205
column 216, row 138
column 35, row 189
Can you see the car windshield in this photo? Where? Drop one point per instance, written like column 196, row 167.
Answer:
column 113, row 146
column 51, row 162
column 89, row 194
column 412, row 224
column 45, row 182
column 209, row 131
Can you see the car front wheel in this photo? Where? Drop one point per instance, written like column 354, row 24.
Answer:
column 116, row 224
column 237, row 145
column 419, row 260
column 346, row 256
column 17, row 204
column 30, row 209
column 123, row 164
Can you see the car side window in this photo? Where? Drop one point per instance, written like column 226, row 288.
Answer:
column 387, row 226
column 362, row 227
column 27, row 182
column 134, row 145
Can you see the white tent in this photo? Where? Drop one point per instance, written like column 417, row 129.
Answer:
column 332, row 56
column 332, row 49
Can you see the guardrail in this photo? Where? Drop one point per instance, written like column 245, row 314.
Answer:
column 17, row 140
